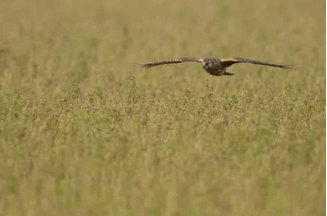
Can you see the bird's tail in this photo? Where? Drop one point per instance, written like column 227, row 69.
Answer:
column 226, row 73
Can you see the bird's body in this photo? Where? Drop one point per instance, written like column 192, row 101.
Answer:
column 214, row 65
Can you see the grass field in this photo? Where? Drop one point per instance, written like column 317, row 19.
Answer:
column 85, row 131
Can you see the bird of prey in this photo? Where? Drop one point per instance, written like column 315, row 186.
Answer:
column 213, row 65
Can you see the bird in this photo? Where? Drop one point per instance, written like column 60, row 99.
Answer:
column 213, row 65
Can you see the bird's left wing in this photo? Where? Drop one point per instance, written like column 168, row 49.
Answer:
column 230, row 61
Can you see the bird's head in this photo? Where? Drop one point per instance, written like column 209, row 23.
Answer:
column 203, row 62
column 206, row 64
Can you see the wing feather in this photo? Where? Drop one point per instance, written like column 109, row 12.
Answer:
column 230, row 61
column 170, row 61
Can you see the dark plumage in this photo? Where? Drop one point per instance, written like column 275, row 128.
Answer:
column 213, row 65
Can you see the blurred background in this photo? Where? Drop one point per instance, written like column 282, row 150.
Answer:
column 112, row 37
column 85, row 131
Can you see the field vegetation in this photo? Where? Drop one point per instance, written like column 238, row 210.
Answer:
column 85, row 131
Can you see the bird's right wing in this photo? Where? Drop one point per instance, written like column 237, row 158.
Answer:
column 170, row 61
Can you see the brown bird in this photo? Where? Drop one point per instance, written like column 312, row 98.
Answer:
column 214, row 65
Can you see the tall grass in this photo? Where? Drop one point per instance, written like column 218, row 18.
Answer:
column 85, row 131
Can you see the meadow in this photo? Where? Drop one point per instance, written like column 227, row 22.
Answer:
column 85, row 131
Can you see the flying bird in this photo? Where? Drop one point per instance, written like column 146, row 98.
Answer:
column 213, row 65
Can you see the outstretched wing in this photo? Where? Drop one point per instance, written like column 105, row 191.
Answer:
column 170, row 61
column 230, row 61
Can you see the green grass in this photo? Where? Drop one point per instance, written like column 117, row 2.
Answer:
column 85, row 131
